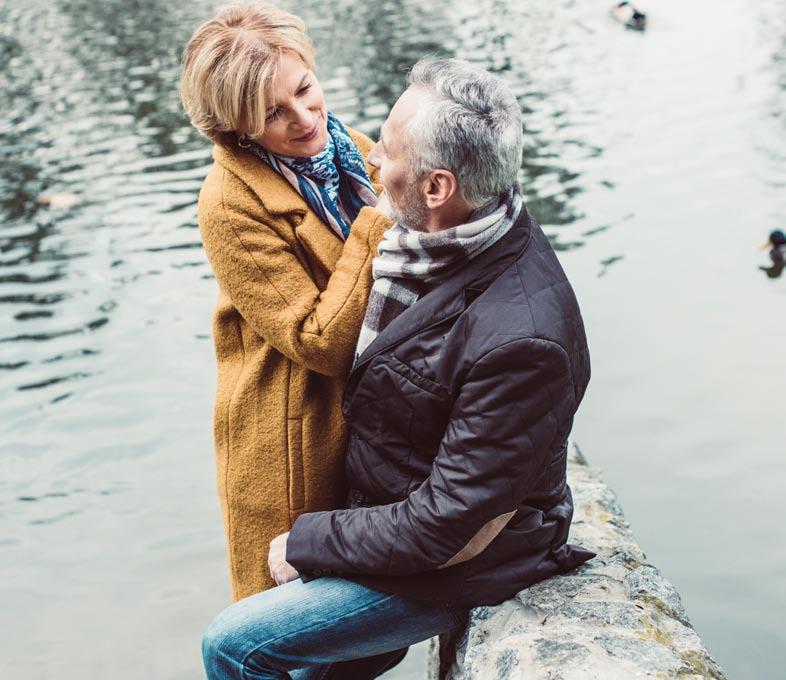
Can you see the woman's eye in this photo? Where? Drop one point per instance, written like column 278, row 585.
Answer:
column 304, row 89
column 273, row 115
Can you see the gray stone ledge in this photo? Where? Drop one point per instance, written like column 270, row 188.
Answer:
column 614, row 618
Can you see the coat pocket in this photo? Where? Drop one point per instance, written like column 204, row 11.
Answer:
column 416, row 378
column 295, row 464
column 431, row 404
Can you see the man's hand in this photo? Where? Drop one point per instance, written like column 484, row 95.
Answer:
column 281, row 570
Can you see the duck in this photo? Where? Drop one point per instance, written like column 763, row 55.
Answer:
column 629, row 16
column 777, row 244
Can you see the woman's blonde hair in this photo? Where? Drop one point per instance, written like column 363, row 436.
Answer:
column 229, row 64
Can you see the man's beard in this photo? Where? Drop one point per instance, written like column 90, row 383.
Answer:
column 410, row 211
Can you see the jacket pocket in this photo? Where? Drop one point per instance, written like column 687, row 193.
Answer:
column 416, row 378
column 295, row 464
column 430, row 403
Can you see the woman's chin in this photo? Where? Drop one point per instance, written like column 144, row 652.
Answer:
column 312, row 147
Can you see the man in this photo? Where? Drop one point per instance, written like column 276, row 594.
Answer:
column 471, row 363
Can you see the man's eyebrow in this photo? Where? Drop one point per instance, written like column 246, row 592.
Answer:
column 297, row 89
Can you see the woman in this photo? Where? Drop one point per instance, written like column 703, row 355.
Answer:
column 286, row 220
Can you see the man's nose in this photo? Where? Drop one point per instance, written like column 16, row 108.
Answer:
column 373, row 157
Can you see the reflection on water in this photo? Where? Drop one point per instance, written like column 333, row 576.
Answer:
column 641, row 150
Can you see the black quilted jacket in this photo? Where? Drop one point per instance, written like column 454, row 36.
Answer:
column 460, row 411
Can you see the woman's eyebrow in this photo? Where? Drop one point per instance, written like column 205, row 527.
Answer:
column 382, row 139
column 302, row 80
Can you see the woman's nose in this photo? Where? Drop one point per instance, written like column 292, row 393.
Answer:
column 301, row 117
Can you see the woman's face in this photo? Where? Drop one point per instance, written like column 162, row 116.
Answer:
column 296, row 123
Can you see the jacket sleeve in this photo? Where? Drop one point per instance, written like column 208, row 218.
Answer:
column 257, row 269
column 513, row 404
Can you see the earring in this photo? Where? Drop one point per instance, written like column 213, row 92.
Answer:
column 243, row 142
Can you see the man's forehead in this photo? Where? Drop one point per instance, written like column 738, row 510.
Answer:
column 406, row 106
column 402, row 112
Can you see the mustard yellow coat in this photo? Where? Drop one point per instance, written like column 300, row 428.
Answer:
column 291, row 302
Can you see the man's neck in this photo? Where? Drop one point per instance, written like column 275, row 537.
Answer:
column 447, row 218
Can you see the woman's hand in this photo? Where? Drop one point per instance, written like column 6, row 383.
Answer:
column 281, row 570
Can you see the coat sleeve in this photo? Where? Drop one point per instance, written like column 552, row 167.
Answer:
column 513, row 404
column 258, row 270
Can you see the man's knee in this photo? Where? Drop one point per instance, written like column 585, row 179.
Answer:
column 220, row 647
column 234, row 643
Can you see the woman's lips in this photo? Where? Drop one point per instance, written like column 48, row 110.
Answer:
column 309, row 135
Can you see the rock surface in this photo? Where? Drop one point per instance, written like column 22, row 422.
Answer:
column 614, row 618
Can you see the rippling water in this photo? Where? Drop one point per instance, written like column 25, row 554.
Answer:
column 655, row 161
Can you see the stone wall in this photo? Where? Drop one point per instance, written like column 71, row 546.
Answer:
column 614, row 618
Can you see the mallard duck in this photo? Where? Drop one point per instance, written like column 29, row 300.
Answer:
column 777, row 245
column 629, row 16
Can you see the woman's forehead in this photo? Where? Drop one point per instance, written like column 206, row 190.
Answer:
column 291, row 73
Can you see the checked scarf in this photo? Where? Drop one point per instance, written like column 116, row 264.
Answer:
column 334, row 183
column 409, row 258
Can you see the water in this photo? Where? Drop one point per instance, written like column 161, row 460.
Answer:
column 656, row 163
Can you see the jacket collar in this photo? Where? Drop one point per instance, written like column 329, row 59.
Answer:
column 281, row 200
column 277, row 195
column 452, row 296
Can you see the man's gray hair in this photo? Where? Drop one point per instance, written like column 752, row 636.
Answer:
column 471, row 125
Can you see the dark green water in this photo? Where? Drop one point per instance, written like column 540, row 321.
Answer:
column 656, row 162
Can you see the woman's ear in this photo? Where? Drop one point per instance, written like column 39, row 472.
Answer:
column 441, row 186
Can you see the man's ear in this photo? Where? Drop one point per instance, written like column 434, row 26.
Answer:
column 440, row 187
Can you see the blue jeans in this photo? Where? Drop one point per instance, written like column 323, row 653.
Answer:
column 326, row 628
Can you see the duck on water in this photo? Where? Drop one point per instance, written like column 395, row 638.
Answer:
column 777, row 245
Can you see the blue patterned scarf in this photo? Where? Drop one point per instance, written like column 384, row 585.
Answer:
column 334, row 183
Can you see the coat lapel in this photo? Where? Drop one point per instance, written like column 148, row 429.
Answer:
column 320, row 241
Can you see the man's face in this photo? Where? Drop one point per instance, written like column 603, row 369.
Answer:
column 391, row 155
